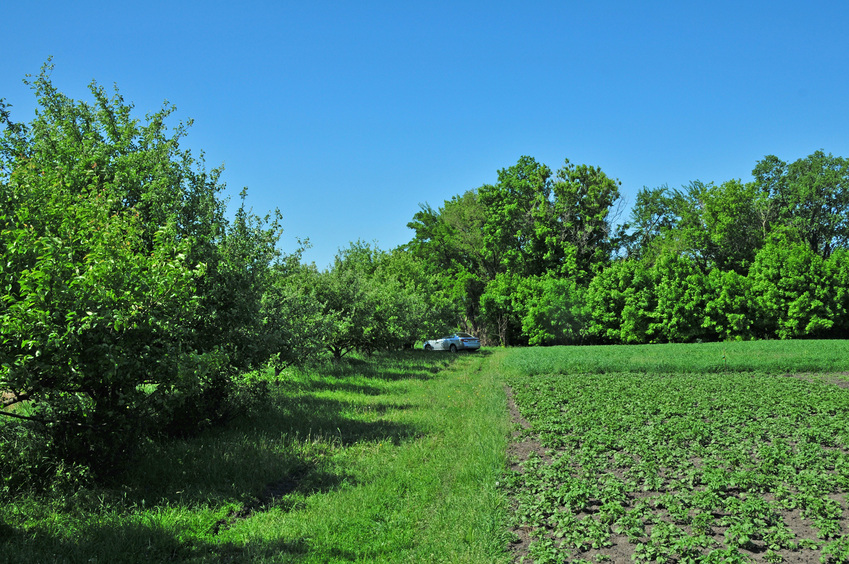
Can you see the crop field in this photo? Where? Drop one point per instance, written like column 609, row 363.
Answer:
column 681, row 453
column 663, row 453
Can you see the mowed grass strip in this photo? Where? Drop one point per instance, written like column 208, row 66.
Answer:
column 774, row 357
column 691, row 466
column 388, row 459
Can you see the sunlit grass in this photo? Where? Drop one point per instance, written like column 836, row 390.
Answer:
column 734, row 356
column 387, row 459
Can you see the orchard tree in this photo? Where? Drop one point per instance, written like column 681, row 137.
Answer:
column 105, row 224
column 293, row 321
column 374, row 302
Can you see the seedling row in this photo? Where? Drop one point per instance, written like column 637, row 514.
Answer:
column 683, row 467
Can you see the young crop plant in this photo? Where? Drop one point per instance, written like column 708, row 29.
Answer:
column 683, row 466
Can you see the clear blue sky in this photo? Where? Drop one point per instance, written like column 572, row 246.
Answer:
column 347, row 115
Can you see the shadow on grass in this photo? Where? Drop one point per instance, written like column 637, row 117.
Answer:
column 273, row 457
column 425, row 365
column 236, row 464
column 116, row 541
column 351, row 388
column 318, row 417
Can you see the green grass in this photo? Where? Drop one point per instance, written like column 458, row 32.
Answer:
column 396, row 458
column 390, row 459
column 776, row 357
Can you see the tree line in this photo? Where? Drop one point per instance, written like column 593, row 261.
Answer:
column 538, row 259
column 134, row 307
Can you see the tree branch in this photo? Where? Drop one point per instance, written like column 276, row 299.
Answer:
column 25, row 417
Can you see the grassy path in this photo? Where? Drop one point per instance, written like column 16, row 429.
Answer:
column 430, row 499
column 391, row 460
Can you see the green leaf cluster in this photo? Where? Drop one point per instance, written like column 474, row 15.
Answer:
column 129, row 302
column 515, row 255
column 378, row 300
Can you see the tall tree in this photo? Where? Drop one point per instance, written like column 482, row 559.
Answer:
column 527, row 224
column 516, row 209
column 812, row 196
column 448, row 242
column 655, row 212
column 583, row 197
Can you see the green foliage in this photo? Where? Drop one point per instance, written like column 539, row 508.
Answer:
column 513, row 208
column 498, row 308
column 620, row 301
column 239, row 275
column 529, row 224
column 374, row 300
column 295, row 326
column 794, row 294
column 733, row 227
column 729, row 311
column 680, row 290
column 583, row 197
column 127, row 299
column 708, row 261
column 99, row 288
column 448, row 248
column 655, row 212
column 811, row 195
column 551, row 310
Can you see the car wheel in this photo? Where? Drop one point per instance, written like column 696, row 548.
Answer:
column 453, row 348
column 428, row 348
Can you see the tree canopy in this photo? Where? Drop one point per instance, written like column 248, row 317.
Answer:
column 706, row 261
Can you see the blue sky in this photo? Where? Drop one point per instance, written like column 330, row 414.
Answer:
column 347, row 115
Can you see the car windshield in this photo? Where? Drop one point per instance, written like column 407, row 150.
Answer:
column 465, row 335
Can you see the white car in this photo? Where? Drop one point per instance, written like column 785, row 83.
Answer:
column 454, row 343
